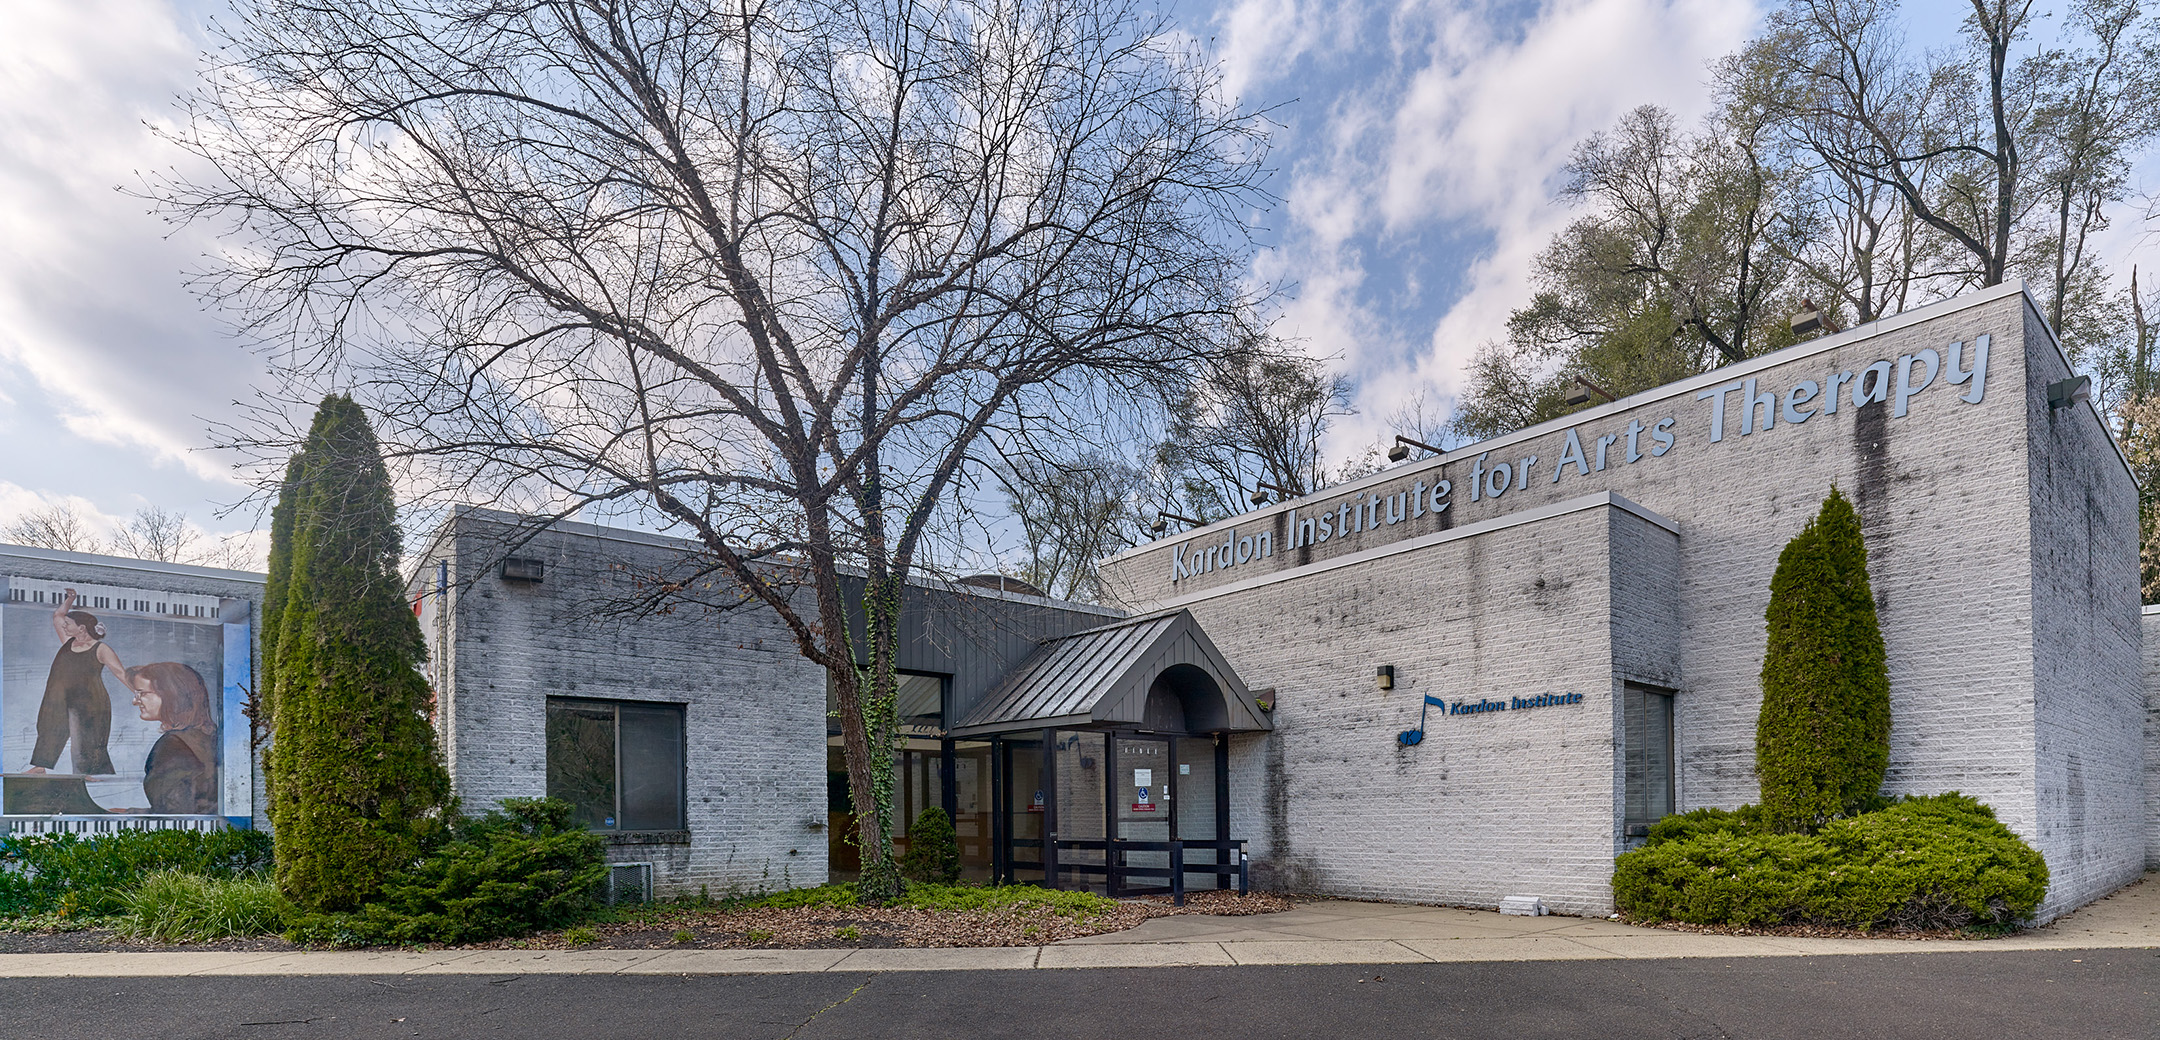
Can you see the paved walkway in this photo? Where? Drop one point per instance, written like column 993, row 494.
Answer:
column 1330, row 932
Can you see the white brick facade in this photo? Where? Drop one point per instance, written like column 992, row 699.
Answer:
column 2002, row 549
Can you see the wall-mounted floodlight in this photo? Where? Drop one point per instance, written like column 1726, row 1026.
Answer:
column 1809, row 319
column 2063, row 393
column 1584, row 388
column 1400, row 450
column 1162, row 523
column 1386, row 676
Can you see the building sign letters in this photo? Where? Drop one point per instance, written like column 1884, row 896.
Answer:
column 1742, row 408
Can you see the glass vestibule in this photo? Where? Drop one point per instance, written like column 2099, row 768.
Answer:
column 1116, row 801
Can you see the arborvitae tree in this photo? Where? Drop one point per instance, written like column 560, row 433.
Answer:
column 355, row 783
column 1822, row 741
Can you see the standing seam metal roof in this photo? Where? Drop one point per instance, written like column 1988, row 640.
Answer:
column 1072, row 676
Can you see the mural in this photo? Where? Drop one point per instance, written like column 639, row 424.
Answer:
column 117, row 700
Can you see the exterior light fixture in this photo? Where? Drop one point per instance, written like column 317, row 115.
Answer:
column 1386, row 676
column 1584, row 388
column 1162, row 523
column 1401, row 448
column 1809, row 319
column 2063, row 393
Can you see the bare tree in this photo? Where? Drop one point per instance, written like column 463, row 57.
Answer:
column 57, row 526
column 763, row 273
column 2012, row 158
column 1072, row 513
column 1255, row 418
column 155, row 533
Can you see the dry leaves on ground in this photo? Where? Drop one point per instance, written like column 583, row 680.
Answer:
column 852, row 927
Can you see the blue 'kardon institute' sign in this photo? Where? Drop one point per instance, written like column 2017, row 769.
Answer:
column 1410, row 737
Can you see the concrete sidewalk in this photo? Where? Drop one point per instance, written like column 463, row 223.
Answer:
column 1330, row 932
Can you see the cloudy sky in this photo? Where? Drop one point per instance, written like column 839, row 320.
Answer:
column 1418, row 148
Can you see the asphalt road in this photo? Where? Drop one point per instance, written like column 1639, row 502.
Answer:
column 2024, row 996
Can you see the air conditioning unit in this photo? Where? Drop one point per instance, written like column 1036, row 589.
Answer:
column 629, row 883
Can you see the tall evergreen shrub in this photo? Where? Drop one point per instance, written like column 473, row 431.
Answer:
column 1822, row 741
column 355, row 784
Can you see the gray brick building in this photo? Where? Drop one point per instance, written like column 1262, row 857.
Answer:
column 1456, row 680
column 1602, row 579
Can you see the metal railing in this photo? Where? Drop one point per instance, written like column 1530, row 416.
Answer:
column 1231, row 860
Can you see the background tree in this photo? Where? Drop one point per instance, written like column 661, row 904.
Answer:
column 1258, row 414
column 760, row 274
column 158, row 534
column 1847, row 168
column 355, row 784
column 1822, row 741
column 1072, row 513
column 58, row 526
column 1669, row 272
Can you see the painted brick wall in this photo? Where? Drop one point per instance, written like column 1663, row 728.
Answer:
column 754, row 712
column 2089, row 751
column 2151, row 652
column 1943, row 493
column 1488, row 805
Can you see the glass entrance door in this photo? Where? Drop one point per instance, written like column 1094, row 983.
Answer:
column 1143, row 811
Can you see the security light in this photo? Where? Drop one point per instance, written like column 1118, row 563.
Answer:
column 1583, row 389
column 2066, row 392
column 1809, row 318
column 1386, row 676
column 1400, row 450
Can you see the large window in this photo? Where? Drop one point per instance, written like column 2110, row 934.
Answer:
column 619, row 763
column 1649, row 751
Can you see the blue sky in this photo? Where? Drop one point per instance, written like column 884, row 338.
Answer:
column 1417, row 150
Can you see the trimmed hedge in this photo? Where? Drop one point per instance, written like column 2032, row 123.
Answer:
column 74, row 876
column 1922, row 863
column 525, row 868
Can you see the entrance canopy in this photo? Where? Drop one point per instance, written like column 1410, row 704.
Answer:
column 1159, row 672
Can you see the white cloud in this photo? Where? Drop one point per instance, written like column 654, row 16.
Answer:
column 1448, row 123
column 92, row 305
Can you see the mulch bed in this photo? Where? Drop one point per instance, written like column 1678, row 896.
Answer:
column 796, row 928
column 856, row 927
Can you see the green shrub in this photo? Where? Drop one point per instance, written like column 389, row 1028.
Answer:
column 524, row 868
column 170, row 906
column 999, row 898
column 1922, row 863
column 1703, row 822
column 1822, row 739
column 1940, row 862
column 933, row 854
column 842, row 894
column 70, row 875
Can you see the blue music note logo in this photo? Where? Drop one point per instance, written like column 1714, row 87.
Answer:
column 1412, row 737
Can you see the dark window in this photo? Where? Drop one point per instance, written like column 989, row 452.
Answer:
column 618, row 763
column 1649, row 750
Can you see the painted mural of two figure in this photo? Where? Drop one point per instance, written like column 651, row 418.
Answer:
column 162, row 756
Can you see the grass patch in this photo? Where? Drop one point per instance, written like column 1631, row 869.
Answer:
column 171, row 906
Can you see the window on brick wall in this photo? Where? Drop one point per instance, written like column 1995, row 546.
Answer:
column 1648, row 736
column 618, row 763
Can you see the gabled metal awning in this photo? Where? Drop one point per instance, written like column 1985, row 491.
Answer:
column 1103, row 676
